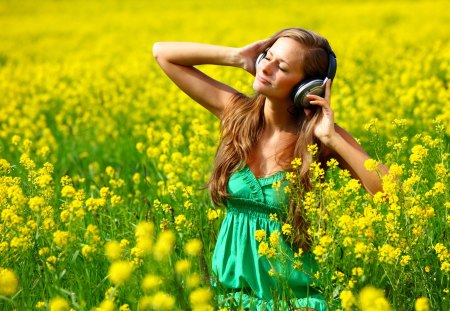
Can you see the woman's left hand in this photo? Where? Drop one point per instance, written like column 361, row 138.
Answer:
column 324, row 127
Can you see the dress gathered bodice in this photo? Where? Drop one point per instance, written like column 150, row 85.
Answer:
column 252, row 205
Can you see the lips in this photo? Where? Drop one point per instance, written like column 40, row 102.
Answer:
column 262, row 80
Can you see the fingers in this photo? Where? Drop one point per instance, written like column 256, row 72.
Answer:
column 328, row 90
column 319, row 100
column 262, row 43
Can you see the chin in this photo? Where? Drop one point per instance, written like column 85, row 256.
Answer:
column 258, row 89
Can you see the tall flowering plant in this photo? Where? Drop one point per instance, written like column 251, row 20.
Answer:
column 383, row 251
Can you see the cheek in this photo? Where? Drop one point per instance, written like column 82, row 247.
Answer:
column 290, row 83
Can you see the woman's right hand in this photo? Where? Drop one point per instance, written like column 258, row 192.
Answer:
column 250, row 53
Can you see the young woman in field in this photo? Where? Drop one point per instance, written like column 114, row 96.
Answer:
column 260, row 136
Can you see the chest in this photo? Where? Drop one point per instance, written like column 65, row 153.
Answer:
column 269, row 156
column 244, row 186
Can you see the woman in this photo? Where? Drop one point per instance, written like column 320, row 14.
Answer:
column 260, row 136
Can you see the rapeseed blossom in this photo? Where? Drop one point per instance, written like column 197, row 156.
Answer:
column 113, row 250
column 8, row 282
column 182, row 266
column 105, row 305
column 159, row 301
column 347, row 299
column 164, row 245
column 200, row 299
column 371, row 165
column 120, row 272
column 150, row 282
column 260, row 234
column 59, row 304
column 193, row 247
column 422, row 304
column 372, row 299
column 193, row 280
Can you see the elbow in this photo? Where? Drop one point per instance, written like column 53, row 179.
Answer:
column 156, row 50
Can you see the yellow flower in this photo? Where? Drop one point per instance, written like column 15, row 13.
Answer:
column 150, row 281
column 313, row 149
column 422, row 304
column 162, row 301
column 332, row 163
column 8, row 282
column 361, row 249
column 36, row 203
column 358, row 271
column 286, row 229
column 144, row 230
column 182, row 266
column 200, row 296
column 214, row 213
column 61, row 238
column 87, row 251
column 193, row 247
column 125, row 307
column 296, row 163
column 106, row 305
column 290, row 176
column 164, row 245
column 265, row 250
column 59, row 304
column 347, row 299
column 120, row 272
column 193, row 280
column 388, row 253
column 40, row 305
column 405, row 260
column 274, row 238
column 4, row 166
column 372, row 299
column 260, row 234
column 418, row 154
column 111, row 293
column 371, row 165
column 144, row 237
column 68, row 191
column 113, row 250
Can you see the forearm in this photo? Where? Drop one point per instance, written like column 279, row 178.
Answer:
column 353, row 158
column 191, row 54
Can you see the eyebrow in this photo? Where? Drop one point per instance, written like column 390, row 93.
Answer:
column 279, row 58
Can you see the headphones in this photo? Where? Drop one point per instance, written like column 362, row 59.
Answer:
column 314, row 86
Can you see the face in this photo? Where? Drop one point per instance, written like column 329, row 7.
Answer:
column 280, row 70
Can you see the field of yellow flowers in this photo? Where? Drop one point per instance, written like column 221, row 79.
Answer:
column 103, row 159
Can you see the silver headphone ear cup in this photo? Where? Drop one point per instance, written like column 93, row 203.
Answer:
column 260, row 57
column 299, row 93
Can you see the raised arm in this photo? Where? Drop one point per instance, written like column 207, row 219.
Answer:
column 351, row 156
column 177, row 60
column 342, row 146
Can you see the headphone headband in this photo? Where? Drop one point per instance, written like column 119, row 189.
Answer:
column 332, row 65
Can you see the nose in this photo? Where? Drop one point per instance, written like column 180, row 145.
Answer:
column 266, row 66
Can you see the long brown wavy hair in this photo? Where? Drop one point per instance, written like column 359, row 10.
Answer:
column 243, row 122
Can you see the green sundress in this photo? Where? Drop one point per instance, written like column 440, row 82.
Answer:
column 241, row 274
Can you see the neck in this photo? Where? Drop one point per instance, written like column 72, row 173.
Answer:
column 277, row 118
